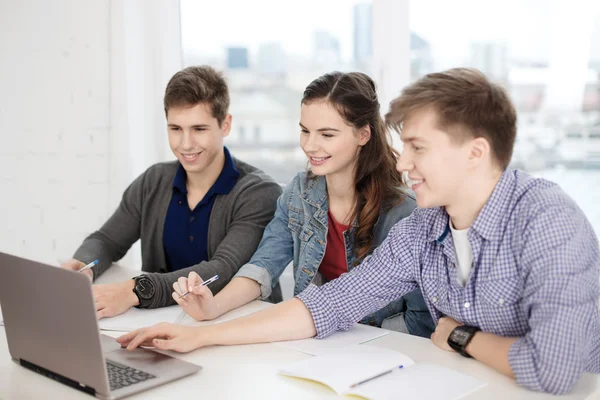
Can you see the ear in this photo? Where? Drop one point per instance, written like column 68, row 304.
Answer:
column 479, row 150
column 226, row 125
column 364, row 135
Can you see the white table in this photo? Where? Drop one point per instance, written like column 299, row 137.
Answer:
column 249, row 372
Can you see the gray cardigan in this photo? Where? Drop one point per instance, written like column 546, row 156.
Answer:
column 236, row 225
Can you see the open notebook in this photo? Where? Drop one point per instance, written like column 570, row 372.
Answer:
column 380, row 374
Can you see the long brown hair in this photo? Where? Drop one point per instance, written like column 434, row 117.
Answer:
column 376, row 181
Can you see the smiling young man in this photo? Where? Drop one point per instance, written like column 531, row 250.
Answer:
column 508, row 264
column 205, row 212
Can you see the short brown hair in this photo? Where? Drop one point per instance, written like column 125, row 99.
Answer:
column 462, row 98
column 199, row 84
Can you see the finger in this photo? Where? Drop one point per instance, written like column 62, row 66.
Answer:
column 194, row 280
column 72, row 264
column 104, row 313
column 183, row 284
column 89, row 273
column 100, row 305
column 180, row 300
column 201, row 291
column 139, row 341
column 128, row 337
column 177, row 288
column 144, row 338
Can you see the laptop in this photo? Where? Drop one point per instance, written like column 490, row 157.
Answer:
column 51, row 328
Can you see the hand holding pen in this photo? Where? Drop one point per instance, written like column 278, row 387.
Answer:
column 206, row 282
column 76, row 265
column 196, row 299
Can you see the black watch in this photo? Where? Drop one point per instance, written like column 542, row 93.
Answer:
column 144, row 290
column 460, row 337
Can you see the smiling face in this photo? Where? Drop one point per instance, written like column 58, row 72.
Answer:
column 436, row 164
column 330, row 144
column 195, row 136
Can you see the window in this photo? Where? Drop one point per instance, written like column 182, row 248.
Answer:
column 269, row 62
column 547, row 54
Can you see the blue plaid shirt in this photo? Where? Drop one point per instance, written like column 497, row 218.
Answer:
column 535, row 276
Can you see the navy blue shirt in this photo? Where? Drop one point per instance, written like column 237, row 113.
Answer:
column 186, row 231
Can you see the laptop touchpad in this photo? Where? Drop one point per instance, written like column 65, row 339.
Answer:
column 109, row 344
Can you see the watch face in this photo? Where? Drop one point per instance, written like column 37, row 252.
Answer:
column 460, row 336
column 144, row 288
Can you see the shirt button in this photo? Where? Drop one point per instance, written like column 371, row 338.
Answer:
column 179, row 202
column 191, row 219
column 434, row 299
column 501, row 301
column 467, row 304
column 191, row 238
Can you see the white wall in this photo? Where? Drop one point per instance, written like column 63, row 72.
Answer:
column 66, row 114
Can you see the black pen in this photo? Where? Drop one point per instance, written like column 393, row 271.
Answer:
column 376, row 376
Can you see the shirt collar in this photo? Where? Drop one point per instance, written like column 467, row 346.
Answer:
column 488, row 222
column 224, row 183
column 315, row 193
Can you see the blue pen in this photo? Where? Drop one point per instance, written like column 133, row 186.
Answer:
column 206, row 282
column 90, row 265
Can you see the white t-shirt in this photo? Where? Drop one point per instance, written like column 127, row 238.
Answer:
column 464, row 253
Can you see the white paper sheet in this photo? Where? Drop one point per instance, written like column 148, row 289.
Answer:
column 415, row 382
column 356, row 335
column 136, row 318
column 242, row 311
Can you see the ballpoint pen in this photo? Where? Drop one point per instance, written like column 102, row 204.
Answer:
column 206, row 282
column 376, row 376
column 90, row 265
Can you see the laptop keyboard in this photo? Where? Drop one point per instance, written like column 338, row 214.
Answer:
column 120, row 376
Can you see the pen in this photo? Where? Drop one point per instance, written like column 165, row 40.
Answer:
column 90, row 265
column 206, row 282
column 376, row 376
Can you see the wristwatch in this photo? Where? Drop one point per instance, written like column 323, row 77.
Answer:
column 144, row 290
column 460, row 337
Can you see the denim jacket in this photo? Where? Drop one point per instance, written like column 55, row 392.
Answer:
column 298, row 234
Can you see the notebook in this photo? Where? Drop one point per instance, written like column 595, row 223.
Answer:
column 379, row 374
column 356, row 335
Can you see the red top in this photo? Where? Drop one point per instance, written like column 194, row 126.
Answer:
column 334, row 261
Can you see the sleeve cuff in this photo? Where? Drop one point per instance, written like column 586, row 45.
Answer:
column 322, row 314
column 258, row 274
column 519, row 359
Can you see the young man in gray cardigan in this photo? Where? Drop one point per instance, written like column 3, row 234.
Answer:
column 205, row 212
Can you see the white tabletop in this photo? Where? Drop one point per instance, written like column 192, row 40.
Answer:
column 249, row 371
